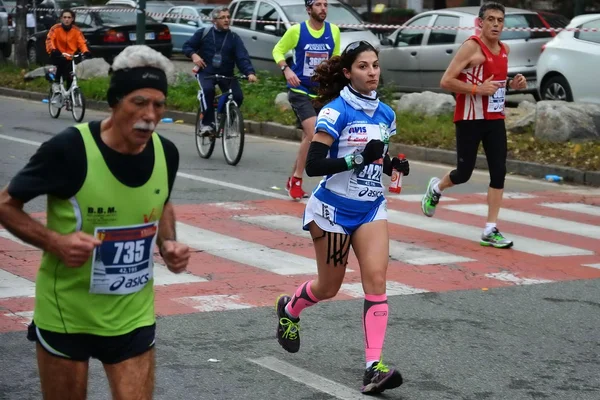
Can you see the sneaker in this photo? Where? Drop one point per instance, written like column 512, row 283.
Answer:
column 495, row 239
column 430, row 199
column 288, row 329
column 207, row 130
column 296, row 191
column 379, row 378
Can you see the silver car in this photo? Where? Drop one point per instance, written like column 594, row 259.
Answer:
column 260, row 38
column 184, row 21
column 414, row 60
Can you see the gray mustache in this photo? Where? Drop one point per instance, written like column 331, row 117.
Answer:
column 146, row 126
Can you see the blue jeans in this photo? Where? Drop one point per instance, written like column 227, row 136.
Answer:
column 208, row 86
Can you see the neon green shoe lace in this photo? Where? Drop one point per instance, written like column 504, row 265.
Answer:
column 381, row 367
column 291, row 328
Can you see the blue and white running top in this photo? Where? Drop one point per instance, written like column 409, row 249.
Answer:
column 355, row 196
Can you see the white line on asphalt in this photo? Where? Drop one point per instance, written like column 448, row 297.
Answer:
column 392, row 289
column 16, row 139
column 14, row 286
column 243, row 252
column 441, row 227
column 575, row 207
column 538, row 221
column 415, row 198
column 217, row 302
column 164, row 277
column 512, row 195
column 309, row 379
column 508, row 277
column 597, row 266
column 405, row 252
column 230, row 185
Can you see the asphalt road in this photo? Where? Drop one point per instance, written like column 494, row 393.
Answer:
column 539, row 341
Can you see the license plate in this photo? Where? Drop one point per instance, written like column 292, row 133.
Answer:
column 149, row 36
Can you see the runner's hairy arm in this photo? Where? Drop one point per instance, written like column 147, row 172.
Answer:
column 166, row 225
column 22, row 225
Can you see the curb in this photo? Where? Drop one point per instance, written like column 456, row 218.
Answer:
column 279, row 131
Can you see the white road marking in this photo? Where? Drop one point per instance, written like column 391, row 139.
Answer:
column 575, row 207
column 392, row 289
column 12, row 285
column 25, row 317
column 513, row 195
column 472, row 233
column 597, row 266
column 164, row 277
column 248, row 253
column 405, row 252
column 217, row 302
column 538, row 221
column 508, row 277
column 309, row 379
column 414, row 198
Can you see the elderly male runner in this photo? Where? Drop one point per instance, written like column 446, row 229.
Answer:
column 108, row 185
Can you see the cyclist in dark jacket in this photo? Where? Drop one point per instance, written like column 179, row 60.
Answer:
column 218, row 51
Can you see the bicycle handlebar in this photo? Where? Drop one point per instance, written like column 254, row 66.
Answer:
column 218, row 76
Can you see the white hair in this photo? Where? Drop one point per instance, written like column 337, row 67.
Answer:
column 214, row 14
column 140, row 55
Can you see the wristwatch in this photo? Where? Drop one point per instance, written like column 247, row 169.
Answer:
column 284, row 67
column 358, row 160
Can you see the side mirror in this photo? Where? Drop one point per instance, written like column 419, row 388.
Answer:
column 193, row 23
column 270, row 28
column 386, row 42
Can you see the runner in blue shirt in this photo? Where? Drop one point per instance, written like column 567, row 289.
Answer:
column 348, row 207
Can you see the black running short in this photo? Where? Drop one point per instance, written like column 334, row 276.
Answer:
column 302, row 106
column 82, row 346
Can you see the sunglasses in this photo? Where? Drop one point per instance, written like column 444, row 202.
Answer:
column 355, row 45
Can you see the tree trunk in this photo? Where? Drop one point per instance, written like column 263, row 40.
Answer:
column 21, row 35
column 439, row 4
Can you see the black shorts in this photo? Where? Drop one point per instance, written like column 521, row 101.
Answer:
column 302, row 106
column 82, row 346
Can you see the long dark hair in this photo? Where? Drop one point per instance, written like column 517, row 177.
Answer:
column 330, row 73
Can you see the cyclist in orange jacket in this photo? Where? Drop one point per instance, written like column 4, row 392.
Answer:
column 65, row 37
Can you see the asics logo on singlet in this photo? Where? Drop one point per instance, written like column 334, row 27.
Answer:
column 317, row 46
column 357, row 129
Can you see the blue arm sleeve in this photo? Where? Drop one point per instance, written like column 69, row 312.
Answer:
column 193, row 44
column 242, row 58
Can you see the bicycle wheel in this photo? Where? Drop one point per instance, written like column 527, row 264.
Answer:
column 233, row 135
column 54, row 104
column 77, row 103
column 204, row 144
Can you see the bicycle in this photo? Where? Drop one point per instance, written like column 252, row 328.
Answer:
column 71, row 99
column 229, row 123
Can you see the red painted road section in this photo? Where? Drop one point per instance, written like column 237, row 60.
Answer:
column 230, row 285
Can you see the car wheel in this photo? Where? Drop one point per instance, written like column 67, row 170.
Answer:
column 557, row 88
column 31, row 55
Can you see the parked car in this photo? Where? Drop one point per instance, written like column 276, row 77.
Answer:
column 568, row 64
column 107, row 34
column 260, row 38
column 414, row 59
column 6, row 31
column 183, row 21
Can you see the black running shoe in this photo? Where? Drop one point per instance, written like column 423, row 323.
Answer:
column 379, row 378
column 288, row 329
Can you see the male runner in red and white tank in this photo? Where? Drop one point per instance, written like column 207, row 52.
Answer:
column 478, row 75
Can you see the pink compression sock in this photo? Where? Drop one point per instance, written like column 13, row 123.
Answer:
column 300, row 300
column 375, row 318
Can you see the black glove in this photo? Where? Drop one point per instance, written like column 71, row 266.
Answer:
column 373, row 151
column 56, row 54
column 87, row 55
column 401, row 165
